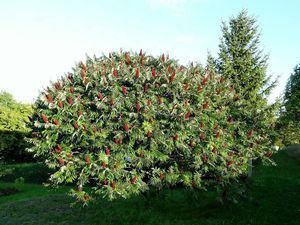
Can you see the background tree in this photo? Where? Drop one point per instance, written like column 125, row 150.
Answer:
column 241, row 61
column 289, row 122
column 13, row 130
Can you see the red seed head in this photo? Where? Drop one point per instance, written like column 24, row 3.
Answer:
column 75, row 125
column 127, row 58
column 218, row 134
column 82, row 74
column 187, row 115
column 199, row 88
column 191, row 143
column 115, row 73
column 100, row 96
column 148, row 102
column 138, row 107
column 205, row 105
column 142, row 61
column 70, row 100
column 83, row 67
column 126, row 128
column 57, row 85
column 113, row 184
column 268, row 154
column 149, row 134
column 204, row 158
column 229, row 163
column 216, row 125
column 176, row 138
column 141, row 52
column 202, row 136
column 103, row 164
column 133, row 180
column 55, row 121
column 88, row 159
column 45, row 119
column 59, row 146
column 169, row 69
column 185, row 87
column 146, row 88
column 111, row 102
column 49, row 98
column 153, row 72
column 222, row 80
column 105, row 182
column 137, row 73
column 79, row 113
column 60, row 104
column 161, row 176
column 94, row 129
column 142, row 154
column 172, row 76
column 163, row 58
column 61, row 162
column 58, row 149
column 107, row 151
column 250, row 133
column 124, row 90
column 204, row 81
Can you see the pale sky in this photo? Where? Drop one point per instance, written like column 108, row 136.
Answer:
column 40, row 40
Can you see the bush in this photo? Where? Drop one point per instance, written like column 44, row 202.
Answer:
column 128, row 122
column 13, row 130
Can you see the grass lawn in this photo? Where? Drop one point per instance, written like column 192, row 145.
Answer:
column 274, row 198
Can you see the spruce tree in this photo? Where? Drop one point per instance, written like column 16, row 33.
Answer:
column 243, row 62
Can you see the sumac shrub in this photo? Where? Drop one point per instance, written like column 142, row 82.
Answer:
column 129, row 121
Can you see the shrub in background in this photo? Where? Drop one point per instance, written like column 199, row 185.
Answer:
column 13, row 130
column 289, row 121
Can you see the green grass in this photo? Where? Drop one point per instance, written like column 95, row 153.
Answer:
column 273, row 198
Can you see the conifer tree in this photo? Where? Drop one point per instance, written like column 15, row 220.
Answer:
column 243, row 62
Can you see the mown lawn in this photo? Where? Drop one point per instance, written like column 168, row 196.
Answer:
column 273, row 198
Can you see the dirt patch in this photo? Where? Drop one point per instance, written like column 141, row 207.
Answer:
column 8, row 191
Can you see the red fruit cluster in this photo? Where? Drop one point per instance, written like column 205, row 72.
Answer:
column 107, row 151
column 45, row 119
column 70, row 100
column 124, row 90
column 49, row 98
column 88, row 159
column 138, row 107
column 58, row 149
column 126, row 127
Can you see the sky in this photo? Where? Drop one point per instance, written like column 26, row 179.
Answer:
column 40, row 40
